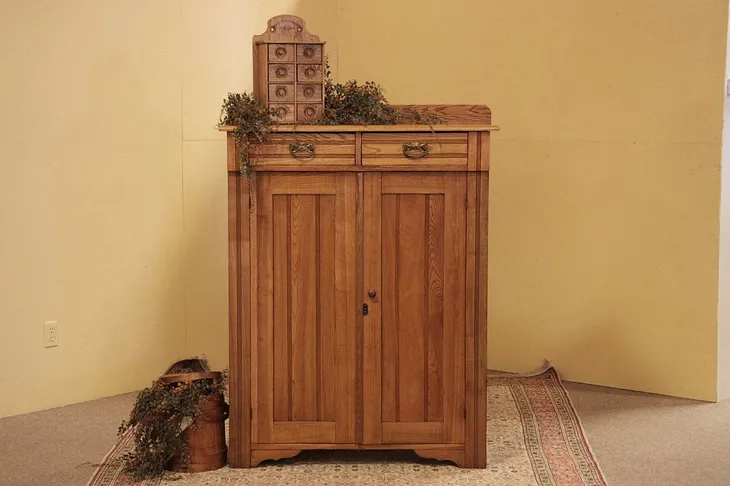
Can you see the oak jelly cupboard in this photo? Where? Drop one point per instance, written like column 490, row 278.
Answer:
column 358, row 289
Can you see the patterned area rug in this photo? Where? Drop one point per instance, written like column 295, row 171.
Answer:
column 534, row 438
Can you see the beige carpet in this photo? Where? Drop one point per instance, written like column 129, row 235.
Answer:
column 640, row 439
column 534, row 439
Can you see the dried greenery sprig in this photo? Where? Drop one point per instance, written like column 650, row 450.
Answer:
column 344, row 104
column 157, row 419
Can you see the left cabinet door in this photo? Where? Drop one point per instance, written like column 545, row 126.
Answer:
column 304, row 308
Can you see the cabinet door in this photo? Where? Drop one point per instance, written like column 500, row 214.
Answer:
column 305, row 309
column 414, row 333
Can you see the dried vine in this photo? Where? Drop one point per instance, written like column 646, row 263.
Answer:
column 157, row 418
column 344, row 104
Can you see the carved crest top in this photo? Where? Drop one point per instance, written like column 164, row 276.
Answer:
column 286, row 28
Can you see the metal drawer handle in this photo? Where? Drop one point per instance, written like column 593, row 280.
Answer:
column 301, row 150
column 415, row 150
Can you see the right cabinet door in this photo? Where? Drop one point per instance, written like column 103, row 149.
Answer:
column 414, row 288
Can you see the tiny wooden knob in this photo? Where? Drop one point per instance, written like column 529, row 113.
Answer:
column 309, row 111
column 309, row 72
column 280, row 52
column 308, row 52
column 281, row 91
column 281, row 72
column 308, row 91
column 372, row 294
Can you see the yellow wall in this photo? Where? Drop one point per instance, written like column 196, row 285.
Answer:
column 605, row 176
column 605, row 196
column 113, row 188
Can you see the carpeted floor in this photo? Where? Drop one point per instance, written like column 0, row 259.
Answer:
column 639, row 439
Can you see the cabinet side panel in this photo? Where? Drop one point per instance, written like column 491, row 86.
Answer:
column 471, row 309
column 239, row 286
column 265, row 307
column 482, row 319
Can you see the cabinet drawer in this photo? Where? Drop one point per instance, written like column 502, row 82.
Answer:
column 309, row 53
column 281, row 73
column 426, row 148
column 306, row 149
column 285, row 112
column 281, row 53
column 281, row 92
column 308, row 112
column 309, row 72
column 310, row 93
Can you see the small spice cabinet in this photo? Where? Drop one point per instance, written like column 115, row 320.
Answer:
column 358, row 289
column 289, row 68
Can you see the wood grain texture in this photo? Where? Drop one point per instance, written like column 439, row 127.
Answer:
column 434, row 291
column 302, row 431
column 310, row 184
column 239, row 292
column 265, row 306
column 473, row 161
column 286, row 28
column 456, row 299
column 467, row 114
column 304, row 307
column 442, row 454
column 282, row 308
column 480, row 458
column 455, row 127
column 363, row 447
column 311, row 369
column 260, row 455
column 484, row 151
column 417, row 183
column 470, row 331
column 346, row 306
column 371, row 324
column 306, row 343
column 412, row 432
column 326, row 318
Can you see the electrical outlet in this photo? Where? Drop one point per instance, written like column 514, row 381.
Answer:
column 50, row 334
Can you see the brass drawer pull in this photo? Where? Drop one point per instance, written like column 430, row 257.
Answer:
column 415, row 150
column 301, row 150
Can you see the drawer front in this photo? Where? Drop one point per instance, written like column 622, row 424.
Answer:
column 309, row 72
column 281, row 53
column 302, row 149
column 414, row 149
column 311, row 93
column 285, row 112
column 281, row 73
column 309, row 53
column 308, row 112
column 281, row 92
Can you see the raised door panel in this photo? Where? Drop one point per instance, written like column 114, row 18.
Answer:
column 414, row 333
column 304, row 343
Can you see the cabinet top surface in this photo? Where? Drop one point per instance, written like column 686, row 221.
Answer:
column 377, row 128
column 457, row 118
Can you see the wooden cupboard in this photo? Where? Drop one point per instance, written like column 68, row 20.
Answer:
column 358, row 290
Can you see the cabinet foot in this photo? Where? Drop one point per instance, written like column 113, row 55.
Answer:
column 454, row 455
column 260, row 455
